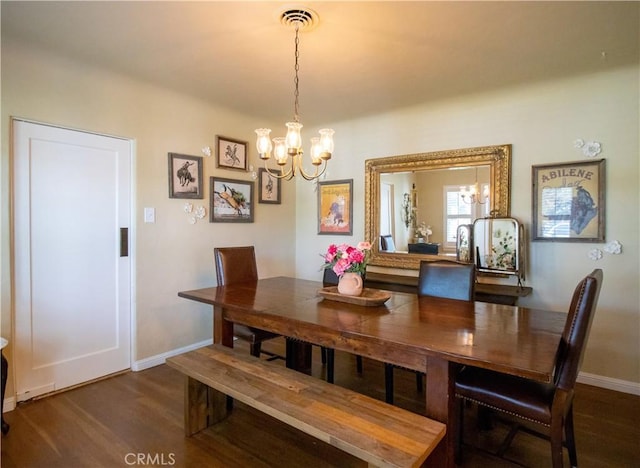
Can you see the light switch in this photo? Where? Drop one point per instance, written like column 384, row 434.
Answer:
column 149, row 215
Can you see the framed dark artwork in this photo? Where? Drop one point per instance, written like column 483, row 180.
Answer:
column 231, row 201
column 335, row 207
column 569, row 201
column 269, row 187
column 231, row 154
column 185, row 176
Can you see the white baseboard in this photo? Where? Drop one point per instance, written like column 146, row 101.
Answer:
column 618, row 385
column 9, row 404
column 161, row 358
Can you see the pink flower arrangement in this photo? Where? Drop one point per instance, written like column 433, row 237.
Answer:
column 345, row 258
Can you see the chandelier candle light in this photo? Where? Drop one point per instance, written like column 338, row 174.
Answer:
column 289, row 148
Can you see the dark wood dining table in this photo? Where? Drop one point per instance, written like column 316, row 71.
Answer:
column 426, row 334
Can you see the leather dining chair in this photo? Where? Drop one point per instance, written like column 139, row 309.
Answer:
column 238, row 265
column 440, row 278
column 549, row 405
column 387, row 244
column 329, row 278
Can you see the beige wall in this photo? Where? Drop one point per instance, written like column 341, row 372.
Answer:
column 170, row 255
column 540, row 121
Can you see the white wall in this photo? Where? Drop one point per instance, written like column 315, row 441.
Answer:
column 541, row 121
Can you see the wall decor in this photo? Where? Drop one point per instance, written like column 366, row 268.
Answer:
column 269, row 187
column 231, row 154
column 231, row 201
column 569, row 201
column 185, row 176
column 335, row 207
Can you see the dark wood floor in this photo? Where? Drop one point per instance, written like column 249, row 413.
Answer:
column 135, row 419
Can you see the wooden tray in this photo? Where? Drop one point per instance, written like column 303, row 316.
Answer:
column 369, row 297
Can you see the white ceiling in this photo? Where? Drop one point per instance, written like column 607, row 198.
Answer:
column 362, row 58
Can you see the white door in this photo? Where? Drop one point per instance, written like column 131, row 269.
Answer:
column 72, row 204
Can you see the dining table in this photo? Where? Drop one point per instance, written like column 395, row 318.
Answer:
column 426, row 334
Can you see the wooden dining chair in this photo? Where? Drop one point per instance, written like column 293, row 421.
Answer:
column 441, row 278
column 329, row 278
column 238, row 265
column 549, row 405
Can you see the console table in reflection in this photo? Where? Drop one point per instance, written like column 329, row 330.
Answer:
column 424, row 248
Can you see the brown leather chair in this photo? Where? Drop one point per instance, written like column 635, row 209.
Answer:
column 238, row 265
column 550, row 405
column 440, row 278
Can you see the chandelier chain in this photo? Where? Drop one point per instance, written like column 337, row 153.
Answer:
column 296, row 80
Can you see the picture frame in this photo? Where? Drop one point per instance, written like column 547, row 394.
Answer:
column 568, row 201
column 231, row 201
column 231, row 154
column 269, row 186
column 185, row 176
column 335, row 207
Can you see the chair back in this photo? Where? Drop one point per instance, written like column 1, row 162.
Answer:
column 235, row 265
column 329, row 278
column 387, row 244
column 576, row 330
column 447, row 279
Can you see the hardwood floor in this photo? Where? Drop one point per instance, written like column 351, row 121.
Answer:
column 136, row 419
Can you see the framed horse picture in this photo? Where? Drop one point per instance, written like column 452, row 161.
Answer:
column 185, row 176
column 231, row 154
column 335, row 207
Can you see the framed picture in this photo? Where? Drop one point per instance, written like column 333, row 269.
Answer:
column 231, row 154
column 569, row 201
column 335, row 207
column 268, row 186
column 185, row 176
column 231, row 201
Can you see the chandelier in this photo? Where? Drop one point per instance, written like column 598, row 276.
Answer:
column 287, row 150
column 471, row 194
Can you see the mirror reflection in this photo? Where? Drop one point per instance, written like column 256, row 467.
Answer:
column 415, row 203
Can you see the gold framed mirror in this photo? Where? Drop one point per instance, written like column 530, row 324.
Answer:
column 434, row 181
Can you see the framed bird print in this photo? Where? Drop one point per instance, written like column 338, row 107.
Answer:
column 231, row 154
column 231, row 201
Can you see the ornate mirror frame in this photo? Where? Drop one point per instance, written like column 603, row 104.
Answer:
column 498, row 158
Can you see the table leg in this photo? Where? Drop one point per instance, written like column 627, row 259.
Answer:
column 298, row 356
column 222, row 329
column 440, row 405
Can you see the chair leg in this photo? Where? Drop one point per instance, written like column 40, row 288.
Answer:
column 330, row 364
column 388, row 383
column 570, row 438
column 359, row 364
column 255, row 348
column 459, row 430
column 419, row 382
column 555, row 435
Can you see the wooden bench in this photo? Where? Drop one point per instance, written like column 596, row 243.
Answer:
column 369, row 429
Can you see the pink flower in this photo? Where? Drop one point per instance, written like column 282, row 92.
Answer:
column 364, row 246
column 345, row 258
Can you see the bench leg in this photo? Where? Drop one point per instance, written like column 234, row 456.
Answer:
column 203, row 406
